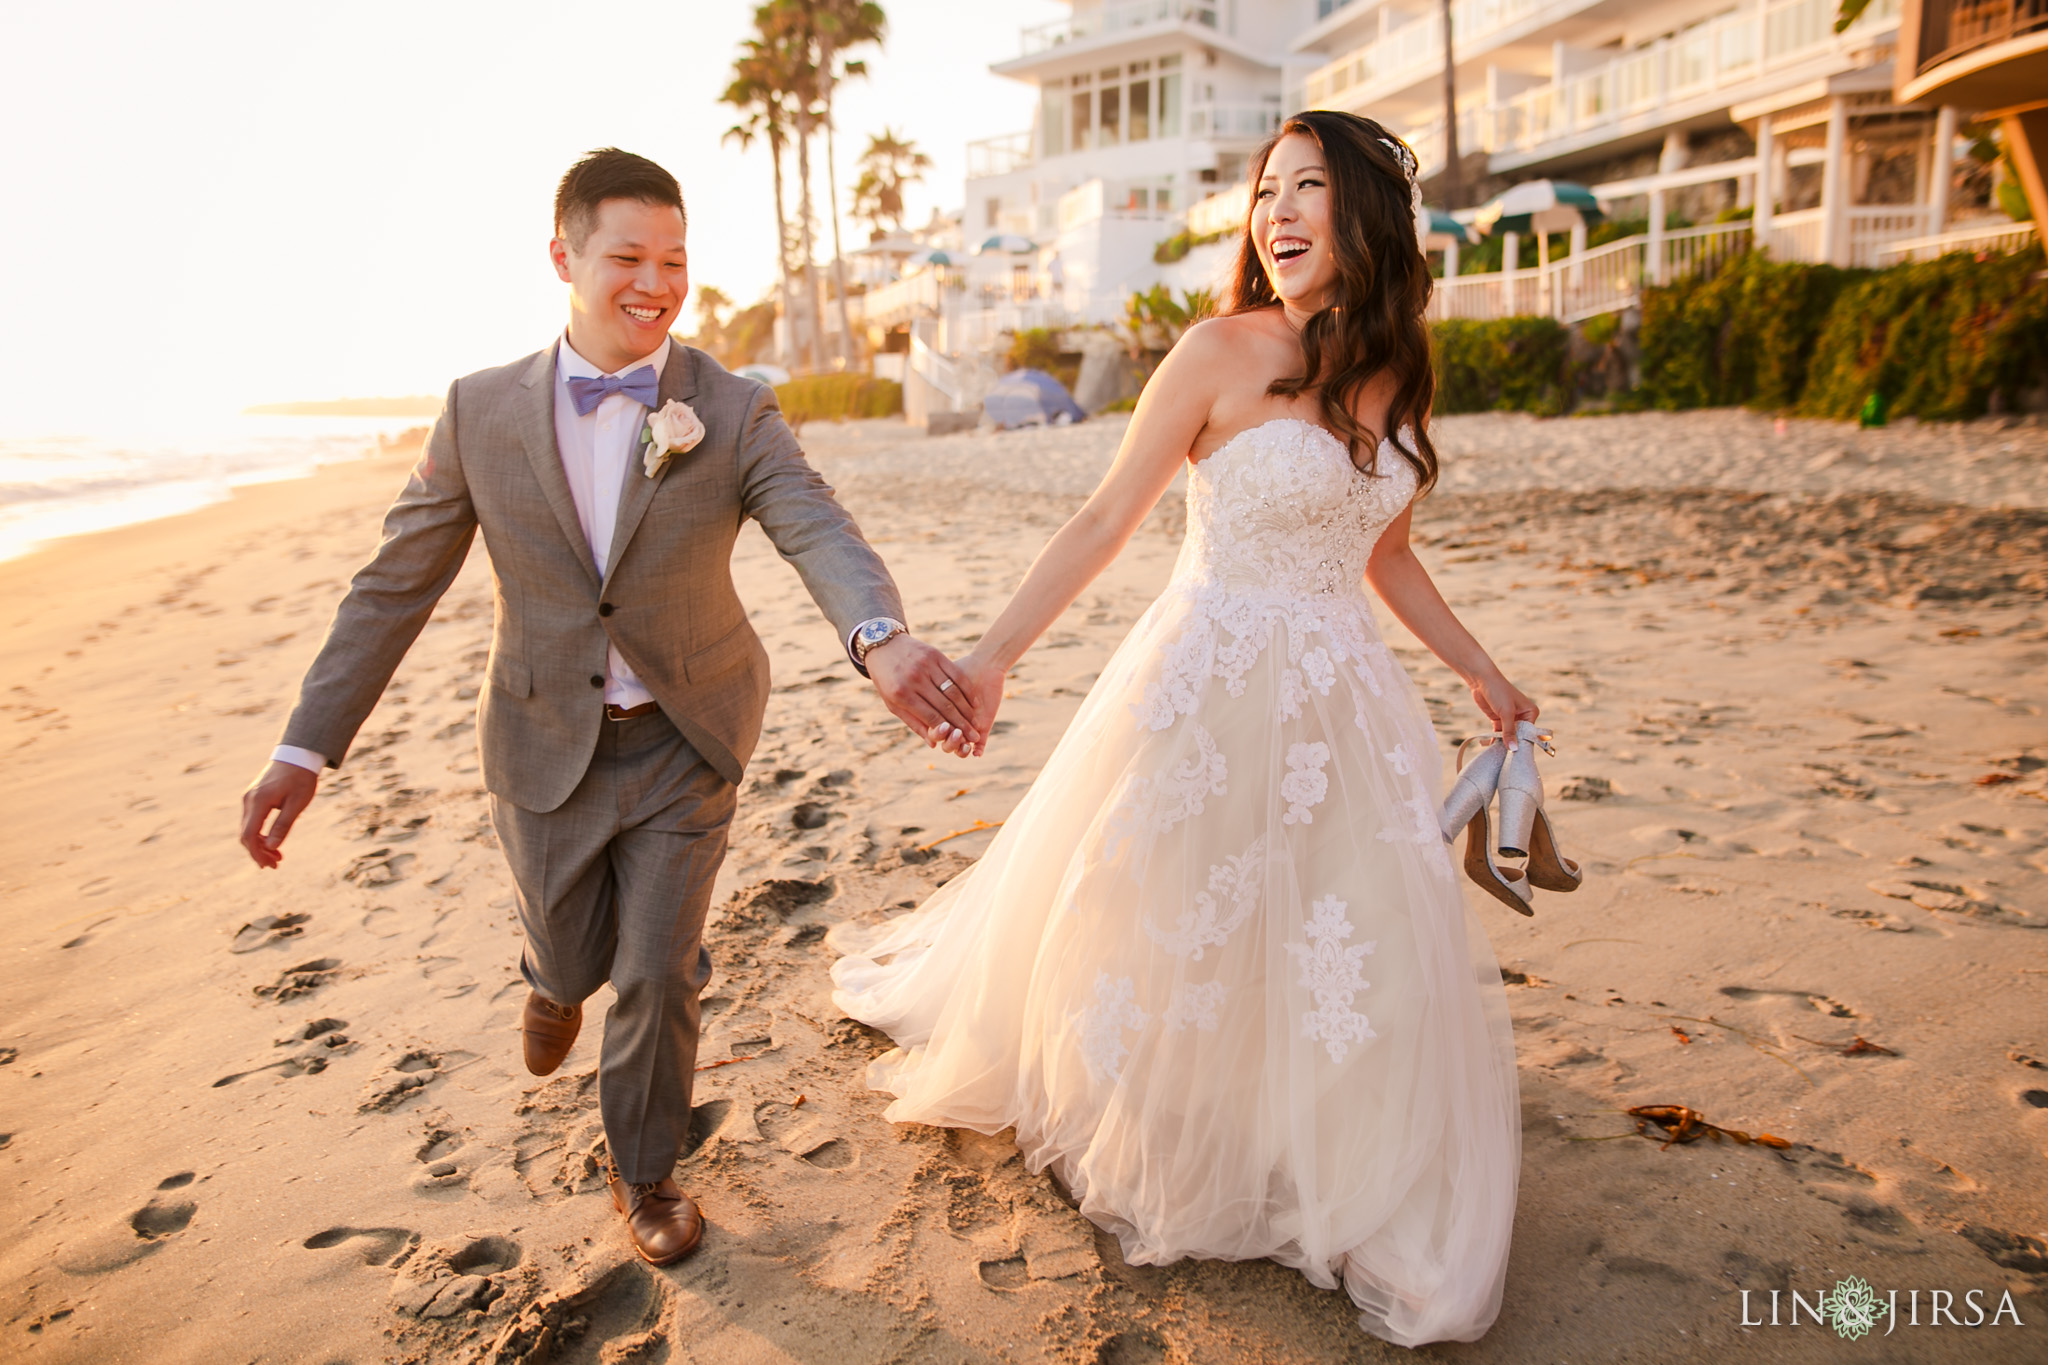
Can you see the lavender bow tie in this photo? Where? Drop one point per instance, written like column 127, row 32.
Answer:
column 643, row 386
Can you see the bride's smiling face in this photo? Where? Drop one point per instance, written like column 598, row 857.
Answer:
column 1290, row 224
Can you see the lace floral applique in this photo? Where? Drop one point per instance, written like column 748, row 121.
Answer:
column 1400, row 759
column 1330, row 973
column 1322, row 674
column 1195, row 1005
column 1182, row 671
column 1216, row 914
column 1422, row 825
column 1306, row 784
column 1102, row 1025
column 1160, row 804
column 1292, row 694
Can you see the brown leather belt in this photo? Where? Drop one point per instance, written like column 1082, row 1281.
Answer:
column 611, row 712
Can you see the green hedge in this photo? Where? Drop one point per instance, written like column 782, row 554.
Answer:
column 838, row 396
column 1510, row 364
column 1934, row 339
column 1743, row 335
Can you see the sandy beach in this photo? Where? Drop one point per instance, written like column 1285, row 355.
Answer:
column 1796, row 678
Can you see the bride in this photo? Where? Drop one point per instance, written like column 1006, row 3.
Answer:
column 1216, row 970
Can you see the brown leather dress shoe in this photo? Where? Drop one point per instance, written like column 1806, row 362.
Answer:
column 664, row 1221
column 549, row 1031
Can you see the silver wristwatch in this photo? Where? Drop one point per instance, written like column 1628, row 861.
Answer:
column 870, row 634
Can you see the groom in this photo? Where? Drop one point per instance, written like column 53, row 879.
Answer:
column 625, row 686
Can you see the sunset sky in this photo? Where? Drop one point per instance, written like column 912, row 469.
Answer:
column 213, row 204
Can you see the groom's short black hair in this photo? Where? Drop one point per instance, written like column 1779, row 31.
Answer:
column 609, row 173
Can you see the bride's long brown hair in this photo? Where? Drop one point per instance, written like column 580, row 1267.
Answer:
column 1374, row 320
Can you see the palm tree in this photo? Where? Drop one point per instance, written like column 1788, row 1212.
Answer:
column 755, row 93
column 1453, row 191
column 774, row 76
column 827, row 29
column 888, row 166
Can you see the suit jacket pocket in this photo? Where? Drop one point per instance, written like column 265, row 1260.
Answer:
column 511, row 675
column 721, row 656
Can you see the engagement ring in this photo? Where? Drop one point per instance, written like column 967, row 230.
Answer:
column 945, row 685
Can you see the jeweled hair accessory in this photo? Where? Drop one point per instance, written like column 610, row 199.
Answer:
column 1404, row 157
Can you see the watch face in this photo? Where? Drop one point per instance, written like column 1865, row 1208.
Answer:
column 874, row 632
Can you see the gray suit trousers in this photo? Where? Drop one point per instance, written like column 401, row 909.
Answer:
column 614, row 884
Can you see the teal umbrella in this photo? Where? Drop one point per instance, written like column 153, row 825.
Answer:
column 1441, row 224
column 1540, row 206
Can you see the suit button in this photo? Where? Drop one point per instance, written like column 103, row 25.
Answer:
column 597, row 680
column 604, row 609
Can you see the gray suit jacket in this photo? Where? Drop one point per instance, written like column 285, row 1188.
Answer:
column 666, row 599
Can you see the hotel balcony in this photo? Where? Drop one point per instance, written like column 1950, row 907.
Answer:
column 1115, row 21
column 1990, row 56
column 1694, row 73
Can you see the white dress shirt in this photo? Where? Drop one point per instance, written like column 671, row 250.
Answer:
column 599, row 452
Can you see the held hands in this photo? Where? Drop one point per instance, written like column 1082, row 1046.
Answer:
column 929, row 693
column 284, row 789
column 1502, row 703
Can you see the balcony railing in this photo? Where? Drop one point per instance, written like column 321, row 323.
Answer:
column 1721, row 54
column 1950, row 28
column 1417, row 48
column 2001, row 238
column 1605, row 279
column 1233, row 120
column 1128, row 16
column 998, row 155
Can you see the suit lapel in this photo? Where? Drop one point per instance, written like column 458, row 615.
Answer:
column 678, row 382
column 536, row 418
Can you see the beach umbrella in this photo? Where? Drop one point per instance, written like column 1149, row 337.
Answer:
column 1025, row 398
column 1539, row 206
column 1005, row 241
column 930, row 255
column 1441, row 224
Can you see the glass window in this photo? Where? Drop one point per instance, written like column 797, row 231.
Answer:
column 994, row 208
column 1084, row 105
column 1162, row 199
column 1141, row 110
column 1169, row 105
column 1112, row 75
column 1171, row 63
column 1138, row 198
column 1080, row 80
column 1052, row 124
column 1112, row 116
column 1140, row 68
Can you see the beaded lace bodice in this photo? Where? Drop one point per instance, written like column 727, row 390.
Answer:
column 1280, row 510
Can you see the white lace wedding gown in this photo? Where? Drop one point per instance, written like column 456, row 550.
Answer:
column 1216, row 969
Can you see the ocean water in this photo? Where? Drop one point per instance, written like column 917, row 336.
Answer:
column 64, row 485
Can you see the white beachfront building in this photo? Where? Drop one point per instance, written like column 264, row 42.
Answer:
column 1148, row 108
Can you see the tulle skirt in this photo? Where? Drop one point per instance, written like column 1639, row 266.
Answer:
column 1217, row 972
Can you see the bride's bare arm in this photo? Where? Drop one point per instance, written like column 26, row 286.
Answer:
column 1171, row 413
column 1409, row 592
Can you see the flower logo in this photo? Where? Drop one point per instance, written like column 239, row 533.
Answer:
column 1852, row 1309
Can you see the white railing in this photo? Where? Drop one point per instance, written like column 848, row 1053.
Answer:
column 1604, row 279
column 1118, row 18
column 1796, row 236
column 941, row 372
column 1233, row 120
column 1718, row 55
column 1418, row 47
column 1870, row 229
column 914, row 296
column 1223, row 212
column 972, row 331
column 2002, row 238
column 998, row 155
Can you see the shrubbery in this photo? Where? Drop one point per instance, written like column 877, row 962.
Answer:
column 1938, row 340
column 1509, row 364
column 1743, row 335
column 838, row 396
column 1934, row 339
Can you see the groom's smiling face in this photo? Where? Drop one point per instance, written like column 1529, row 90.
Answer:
column 627, row 280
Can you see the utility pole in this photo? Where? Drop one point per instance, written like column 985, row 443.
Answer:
column 1453, row 191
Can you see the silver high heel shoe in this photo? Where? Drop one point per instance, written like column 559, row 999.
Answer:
column 1473, row 791
column 1466, row 808
column 1525, row 828
column 1521, row 790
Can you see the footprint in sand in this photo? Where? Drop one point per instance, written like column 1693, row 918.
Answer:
column 261, row 933
column 382, row 922
column 1827, row 1005
column 408, row 1076
column 617, row 1318
column 144, row 1232
column 449, row 1278
column 380, row 1246
column 303, row 979
column 290, row 1066
column 86, row 937
column 443, row 1173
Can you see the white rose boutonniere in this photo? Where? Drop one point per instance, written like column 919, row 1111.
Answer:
column 671, row 431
